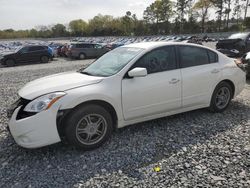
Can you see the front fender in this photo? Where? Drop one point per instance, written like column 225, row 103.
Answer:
column 81, row 95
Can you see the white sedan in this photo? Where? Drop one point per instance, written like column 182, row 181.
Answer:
column 131, row 84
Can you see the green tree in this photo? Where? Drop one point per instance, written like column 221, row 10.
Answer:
column 103, row 25
column 78, row 27
column 237, row 11
column 182, row 7
column 219, row 5
column 59, row 30
column 227, row 11
column 202, row 7
column 158, row 12
column 247, row 23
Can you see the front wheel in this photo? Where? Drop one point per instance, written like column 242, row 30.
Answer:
column 88, row 127
column 221, row 98
column 10, row 62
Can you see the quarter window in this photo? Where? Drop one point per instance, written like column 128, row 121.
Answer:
column 159, row 60
column 213, row 57
column 192, row 56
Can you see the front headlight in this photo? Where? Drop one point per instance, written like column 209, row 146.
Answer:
column 44, row 102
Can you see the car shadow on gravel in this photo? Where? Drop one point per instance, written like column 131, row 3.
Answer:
column 128, row 150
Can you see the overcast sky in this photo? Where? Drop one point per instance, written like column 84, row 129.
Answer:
column 26, row 14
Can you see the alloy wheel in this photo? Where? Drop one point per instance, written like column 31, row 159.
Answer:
column 91, row 129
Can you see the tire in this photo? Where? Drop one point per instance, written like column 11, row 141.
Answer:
column 44, row 59
column 88, row 127
column 10, row 62
column 221, row 97
column 82, row 56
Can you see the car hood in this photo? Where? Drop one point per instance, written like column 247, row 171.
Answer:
column 7, row 53
column 56, row 82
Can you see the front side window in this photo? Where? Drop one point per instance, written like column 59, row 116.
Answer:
column 24, row 50
column 112, row 62
column 193, row 56
column 159, row 60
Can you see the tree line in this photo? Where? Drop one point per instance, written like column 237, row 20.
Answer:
column 160, row 17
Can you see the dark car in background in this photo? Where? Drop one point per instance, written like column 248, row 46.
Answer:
column 86, row 50
column 27, row 54
column 235, row 46
column 245, row 59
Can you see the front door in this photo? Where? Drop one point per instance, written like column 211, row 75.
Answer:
column 23, row 55
column 159, row 91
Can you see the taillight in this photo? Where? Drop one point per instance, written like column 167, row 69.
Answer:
column 240, row 64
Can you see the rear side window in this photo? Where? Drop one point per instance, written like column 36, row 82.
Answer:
column 36, row 48
column 193, row 56
column 84, row 46
column 213, row 57
column 79, row 45
column 89, row 46
column 159, row 60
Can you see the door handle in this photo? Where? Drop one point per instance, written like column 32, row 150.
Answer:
column 174, row 81
column 215, row 71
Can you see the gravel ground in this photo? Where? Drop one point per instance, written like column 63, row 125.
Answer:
column 194, row 149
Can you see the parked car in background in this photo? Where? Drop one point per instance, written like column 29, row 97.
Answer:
column 246, row 62
column 27, row 54
column 130, row 84
column 64, row 50
column 86, row 50
column 235, row 46
column 54, row 48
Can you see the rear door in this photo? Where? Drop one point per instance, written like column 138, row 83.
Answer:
column 87, row 49
column 37, row 52
column 200, row 72
column 92, row 52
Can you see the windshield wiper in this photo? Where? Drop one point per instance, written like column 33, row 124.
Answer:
column 87, row 73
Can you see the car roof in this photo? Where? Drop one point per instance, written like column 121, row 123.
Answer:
column 82, row 43
column 34, row 45
column 152, row 45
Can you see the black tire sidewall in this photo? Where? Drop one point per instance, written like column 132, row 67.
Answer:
column 76, row 115
column 213, row 106
column 9, row 62
column 42, row 59
column 80, row 56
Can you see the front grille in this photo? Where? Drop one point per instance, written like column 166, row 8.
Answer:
column 20, row 102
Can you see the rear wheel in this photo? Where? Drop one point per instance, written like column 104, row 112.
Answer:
column 88, row 127
column 221, row 98
column 10, row 62
column 82, row 56
column 44, row 59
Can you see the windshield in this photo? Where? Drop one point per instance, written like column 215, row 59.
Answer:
column 112, row 62
column 239, row 36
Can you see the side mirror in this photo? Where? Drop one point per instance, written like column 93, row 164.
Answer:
column 138, row 72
